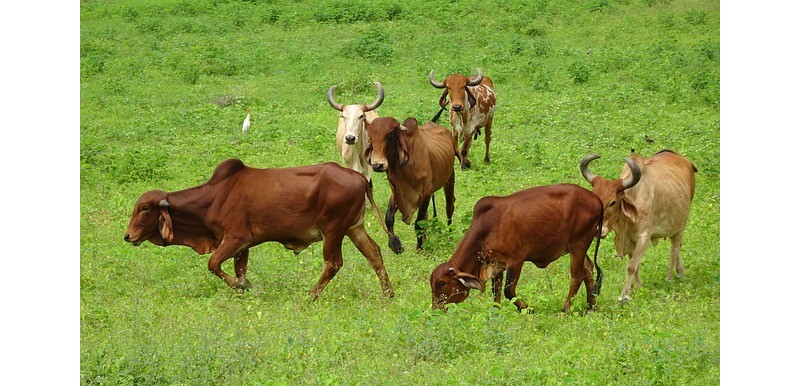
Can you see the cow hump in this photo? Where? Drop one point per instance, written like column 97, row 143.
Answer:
column 226, row 169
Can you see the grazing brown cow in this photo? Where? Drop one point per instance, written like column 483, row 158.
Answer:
column 418, row 161
column 472, row 103
column 538, row 225
column 241, row 207
column 648, row 202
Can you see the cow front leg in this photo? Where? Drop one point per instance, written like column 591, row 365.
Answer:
column 332, row 255
column 510, row 291
column 633, row 268
column 422, row 214
column 372, row 252
column 240, row 266
column 465, row 162
column 229, row 246
column 497, row 285
column 487, row 140
column 394, row 242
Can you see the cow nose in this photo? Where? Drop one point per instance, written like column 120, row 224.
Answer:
column 127, row 237
column 350, row 139
column 457, row 108
column 377, row 167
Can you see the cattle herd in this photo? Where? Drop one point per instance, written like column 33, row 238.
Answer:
column 240, row 207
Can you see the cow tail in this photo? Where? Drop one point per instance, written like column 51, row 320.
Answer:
column 599, row 280
column 375, row 209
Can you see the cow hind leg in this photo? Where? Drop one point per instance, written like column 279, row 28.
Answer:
column 450, row 197
column 588, row 282
column 372, row 252
column 578, row 273
column 675, row 263
column 332, row 254
column 422, row 214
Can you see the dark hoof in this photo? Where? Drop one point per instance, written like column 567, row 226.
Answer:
column 528, row 311
column 243, row 284
column 466, row 165
column 395, row 245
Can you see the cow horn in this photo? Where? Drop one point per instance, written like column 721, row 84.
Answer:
column 589, row 176
column 636, row 174
column 333, row 101
column 434, row 82
column 164, row 203
column 378, row 100
column 403, row 128
column 478, row 78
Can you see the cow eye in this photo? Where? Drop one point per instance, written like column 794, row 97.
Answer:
column 612, row 203
column 145, row 209
column 362, row 116
column 440, row 285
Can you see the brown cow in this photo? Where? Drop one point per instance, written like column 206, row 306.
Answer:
column 418, row 161
column 241, row 207
column 472, row 103
column 649, row 201
column 538, row 225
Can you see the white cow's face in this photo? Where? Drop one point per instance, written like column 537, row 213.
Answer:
column 354, row 117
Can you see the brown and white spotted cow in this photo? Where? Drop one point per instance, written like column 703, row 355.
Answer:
column 472, row 102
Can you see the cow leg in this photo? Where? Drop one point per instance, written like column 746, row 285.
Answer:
column 422, row 214
column 581, row 271
column 230, row 246
column 450, row 197
column 332, row 254
column 497, row 284
column 372, row 252
column 487, row 140
column 465, row 163
column 633, row 267
column 675, row 263
column 394, row 242
column 511, row 286
column 240, row 266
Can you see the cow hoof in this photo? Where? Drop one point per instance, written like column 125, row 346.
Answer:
column 395, row 245
column 243, row 283
column 528, row 311
column 466, row 165
column 624, row 298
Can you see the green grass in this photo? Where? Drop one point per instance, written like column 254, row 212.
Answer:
column 164, row 86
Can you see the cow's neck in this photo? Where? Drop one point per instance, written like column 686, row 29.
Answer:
column 188, row 208
column 468, row 256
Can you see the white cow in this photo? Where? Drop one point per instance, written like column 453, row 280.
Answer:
column 351, row 136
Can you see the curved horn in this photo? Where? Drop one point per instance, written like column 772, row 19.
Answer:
column 433, row 81
column 378, row 100
column 589, row 176
column 333, row 101
column 164, row 203
column 477, row 80
column 636, row 174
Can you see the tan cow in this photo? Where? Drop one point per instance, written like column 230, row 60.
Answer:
column 650, row 201
column 351, row 135
column 472, row 102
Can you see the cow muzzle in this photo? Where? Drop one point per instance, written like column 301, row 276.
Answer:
column 458, row 108
column 380, row 168
column 350, row 139
column 128, row 240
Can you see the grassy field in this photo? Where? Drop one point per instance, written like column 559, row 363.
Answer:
column 164, row 86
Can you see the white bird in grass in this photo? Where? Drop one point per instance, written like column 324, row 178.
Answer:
column 246, row 123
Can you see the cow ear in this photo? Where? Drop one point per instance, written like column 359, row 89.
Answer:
column 368, row 154
column 165, row 225
column 629, row 209
column 470, row 281
column 443, row 99
column 402, row 144
column 471, row 99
